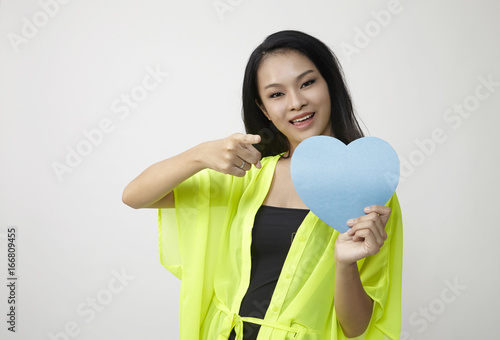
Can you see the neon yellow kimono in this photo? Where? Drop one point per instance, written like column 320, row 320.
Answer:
column 205, row 241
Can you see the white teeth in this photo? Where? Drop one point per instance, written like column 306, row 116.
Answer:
column 302, row 119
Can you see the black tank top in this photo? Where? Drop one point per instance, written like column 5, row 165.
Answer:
column 272, row 236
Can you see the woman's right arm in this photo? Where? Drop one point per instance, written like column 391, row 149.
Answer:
column 153, row 188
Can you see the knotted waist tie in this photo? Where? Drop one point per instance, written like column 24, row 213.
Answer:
column 236, row 321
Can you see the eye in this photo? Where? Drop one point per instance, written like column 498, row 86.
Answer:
column 308, row 83
column 276, row 95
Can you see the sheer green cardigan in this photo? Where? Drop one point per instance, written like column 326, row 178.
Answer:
column 205, row 241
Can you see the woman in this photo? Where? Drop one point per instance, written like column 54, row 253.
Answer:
column 252, row 258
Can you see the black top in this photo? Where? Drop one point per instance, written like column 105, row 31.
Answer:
column 272, row 235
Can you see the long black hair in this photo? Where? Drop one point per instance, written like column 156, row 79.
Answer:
column 344, row 124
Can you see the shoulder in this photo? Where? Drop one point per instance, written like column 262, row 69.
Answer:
column 270, row 159
column 393, row 203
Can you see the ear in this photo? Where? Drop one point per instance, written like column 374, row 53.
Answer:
column 262, row 108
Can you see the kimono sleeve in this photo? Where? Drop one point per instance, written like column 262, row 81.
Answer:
column 381, row 276
column 200, row 205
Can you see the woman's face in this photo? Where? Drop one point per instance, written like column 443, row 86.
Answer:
column 291, row 89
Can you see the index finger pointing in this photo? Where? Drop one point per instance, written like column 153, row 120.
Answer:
column 248, row 152
column 250, row 139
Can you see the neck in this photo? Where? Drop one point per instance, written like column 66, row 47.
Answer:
column 290, row 151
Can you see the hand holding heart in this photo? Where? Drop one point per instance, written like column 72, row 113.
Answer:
column 336, row 181
column 366, row 236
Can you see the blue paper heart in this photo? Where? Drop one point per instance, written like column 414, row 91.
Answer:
column 337, row 182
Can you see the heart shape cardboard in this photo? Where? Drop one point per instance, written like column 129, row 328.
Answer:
column 337, row 182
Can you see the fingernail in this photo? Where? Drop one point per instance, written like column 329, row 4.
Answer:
column 350, row 232
column 350, row 222
column 367, row 209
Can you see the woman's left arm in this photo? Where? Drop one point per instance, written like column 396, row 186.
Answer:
column 366, row 236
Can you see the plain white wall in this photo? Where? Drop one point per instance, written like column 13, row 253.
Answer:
column 66, row 65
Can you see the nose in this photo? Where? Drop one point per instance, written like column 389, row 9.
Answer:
column 296, row 101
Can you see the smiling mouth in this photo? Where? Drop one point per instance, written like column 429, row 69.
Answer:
column 302, row 120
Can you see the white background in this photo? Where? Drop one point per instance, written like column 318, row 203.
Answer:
column 74, row 233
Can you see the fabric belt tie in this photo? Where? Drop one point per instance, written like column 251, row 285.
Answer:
column 236, row 321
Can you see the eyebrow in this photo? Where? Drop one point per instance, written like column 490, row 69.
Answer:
column 299, row 76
